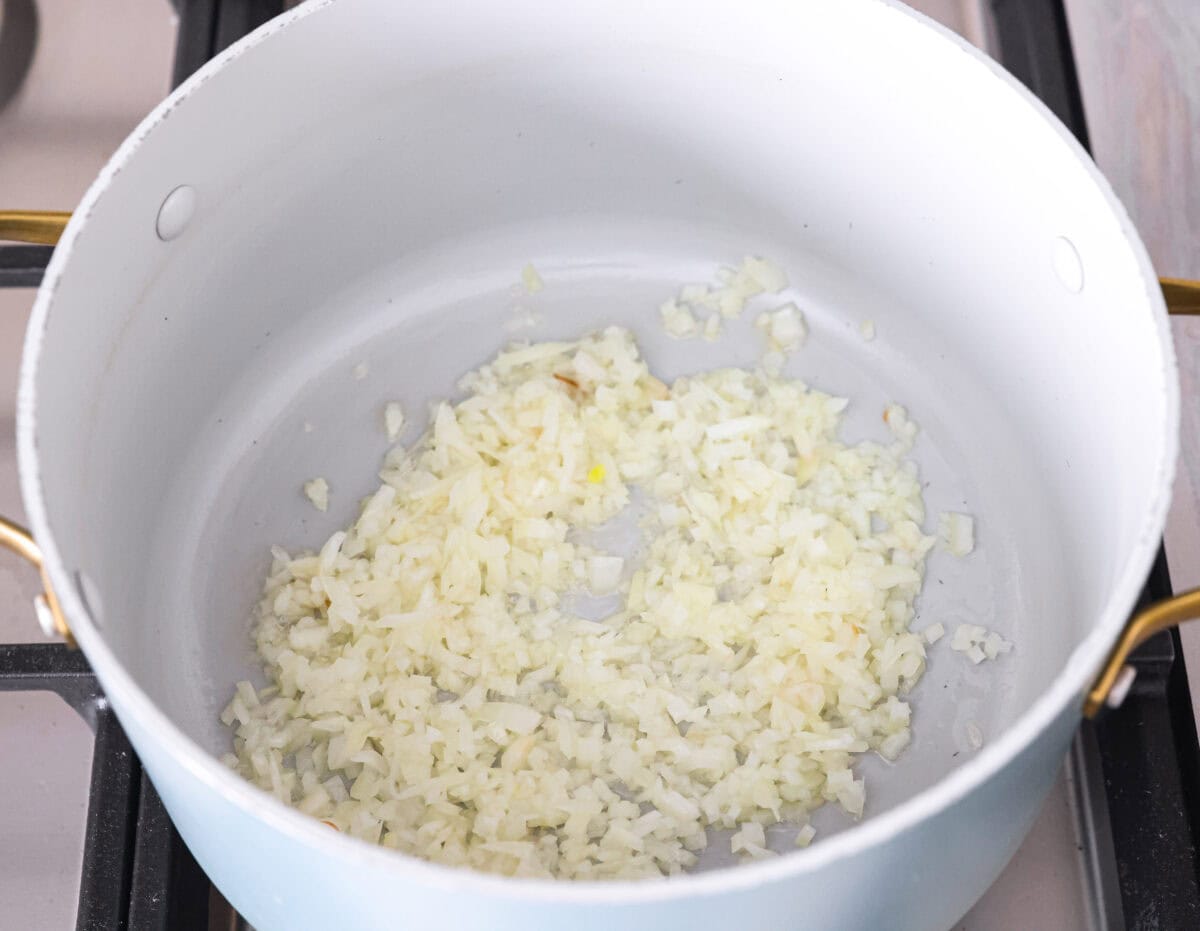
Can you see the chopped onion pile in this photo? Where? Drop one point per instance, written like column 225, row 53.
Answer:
column 432, row 690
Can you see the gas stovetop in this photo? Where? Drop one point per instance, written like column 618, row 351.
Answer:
column 1116, row 845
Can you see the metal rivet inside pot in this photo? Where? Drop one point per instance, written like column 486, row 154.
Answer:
column 176, row 212
column 1068, row 266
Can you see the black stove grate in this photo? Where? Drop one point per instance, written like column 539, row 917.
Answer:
column 207, row 27
column 137, row 872
column 1137, row 771
column 23, row 266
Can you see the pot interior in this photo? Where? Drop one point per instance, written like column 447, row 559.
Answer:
column 371, row 180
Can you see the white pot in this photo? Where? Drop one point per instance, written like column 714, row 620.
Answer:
column 366, row 178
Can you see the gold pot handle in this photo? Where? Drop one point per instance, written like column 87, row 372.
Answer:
column 45, row 605
column 37, row 226
column 1183, row 296
column 1113, row 682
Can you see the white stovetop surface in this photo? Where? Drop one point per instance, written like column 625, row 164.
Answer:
column 98, row 69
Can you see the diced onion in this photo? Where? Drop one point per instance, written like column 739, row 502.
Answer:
column 317, row 491
column 699, row 310
column 393, row 420
column 957, row 532
column 978, row 643
column 678, row 320
column 531, row 279
column 784, row 327
column 604, row 573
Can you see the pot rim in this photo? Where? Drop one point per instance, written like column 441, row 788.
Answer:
column 128, row 697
